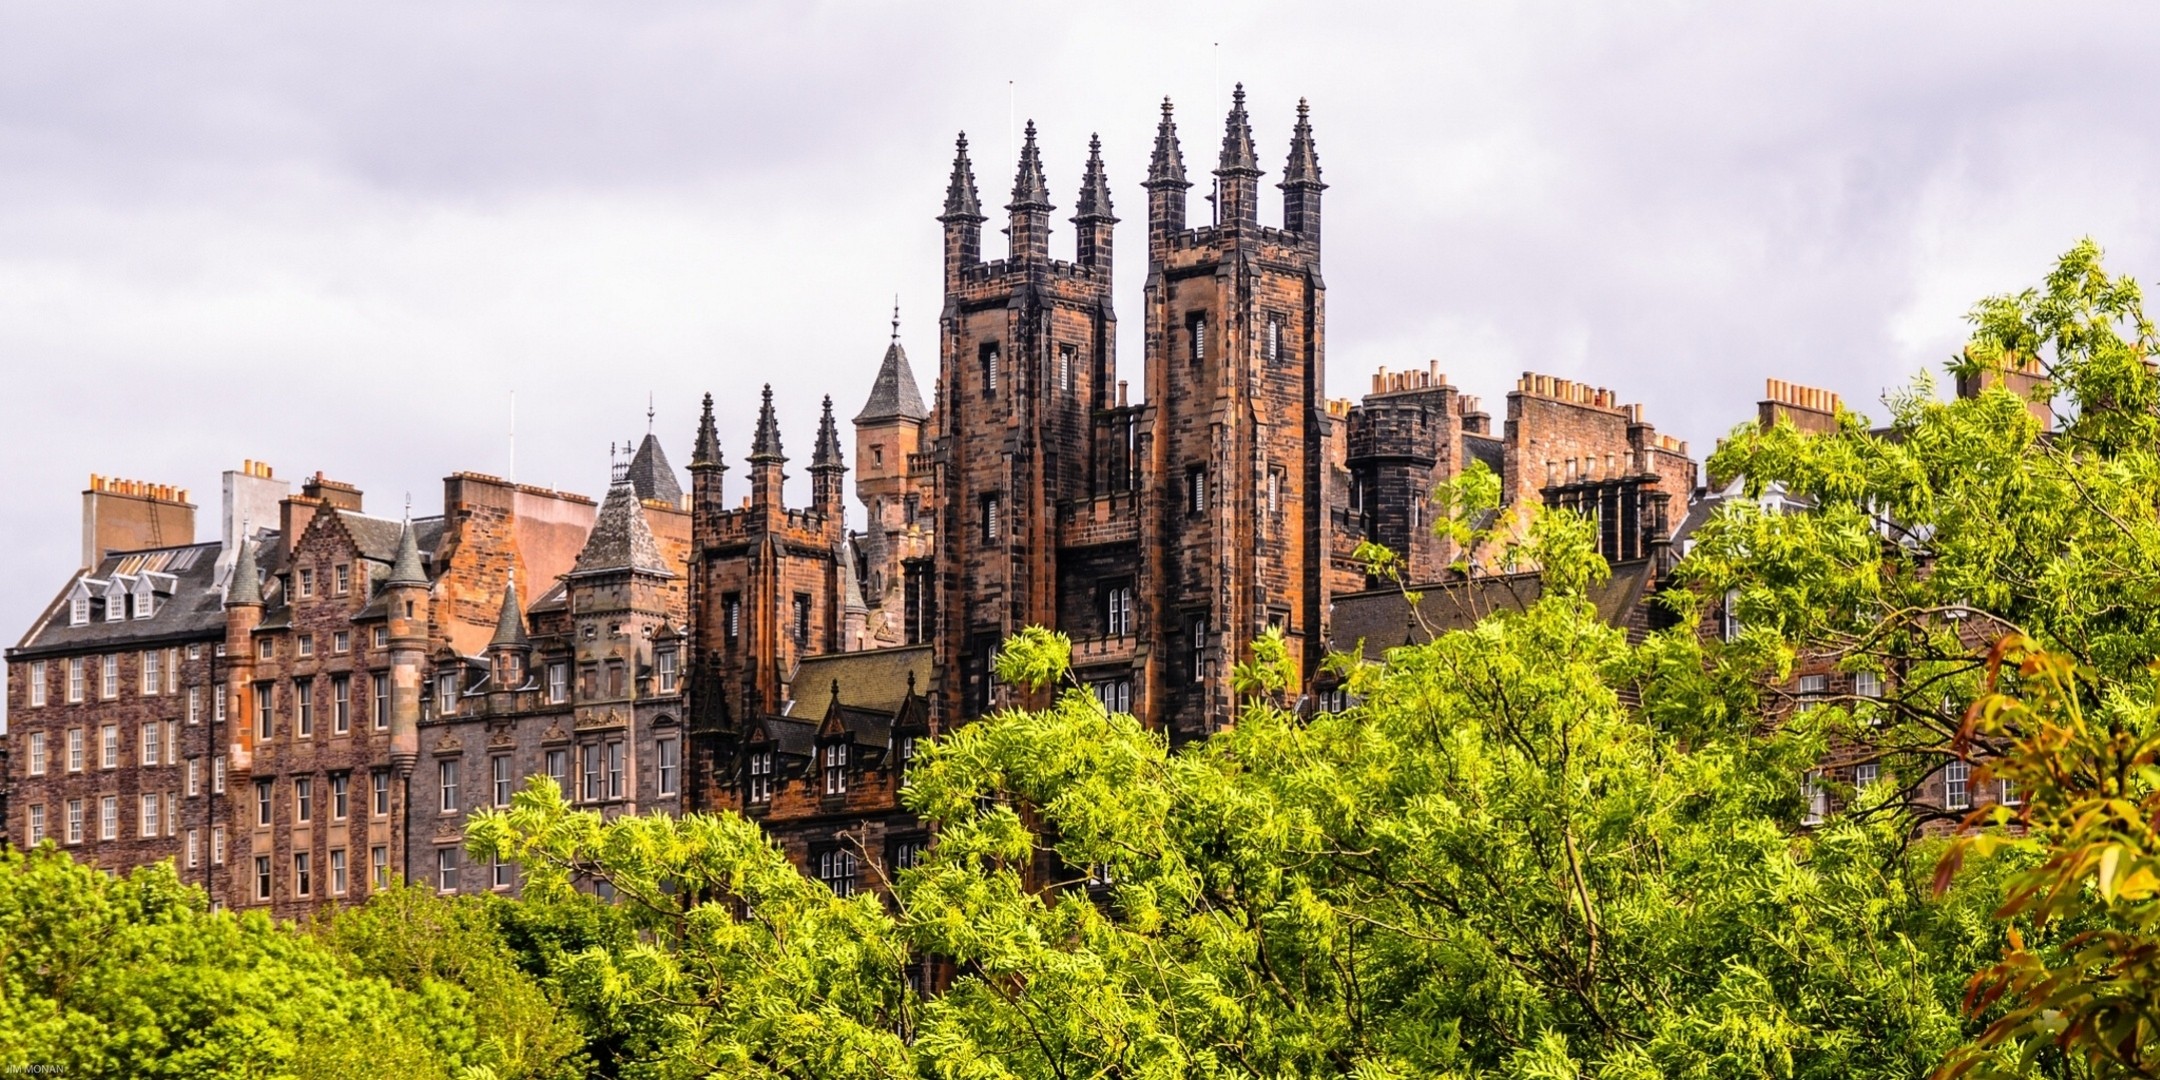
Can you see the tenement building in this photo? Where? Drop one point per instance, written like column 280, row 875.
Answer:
column 318, row 700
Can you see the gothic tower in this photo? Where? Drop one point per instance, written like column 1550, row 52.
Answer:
column 1236, row 382
column 1026, row 352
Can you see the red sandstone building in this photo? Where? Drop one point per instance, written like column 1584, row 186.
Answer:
column 318, row 701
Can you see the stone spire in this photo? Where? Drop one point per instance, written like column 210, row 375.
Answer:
column 1303, row 169
column 1237, row 177
column 706, row 454
column 1301, row 186
column 407, row 570
column 1029, row 228
column 827, row 454
column 245, row 588
column 1168, row 165
column 1237, row 144
column 510, row 622
column 621, row 538
column 652, row 475
column 765, row 446
column 894, row 396
column 1094, row 202
column 1166, row 183
column 961, row 202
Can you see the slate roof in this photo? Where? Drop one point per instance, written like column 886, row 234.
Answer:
column 510, row 622
column 894, row 396
column 874, row 680
column 795, row 738
column 194, row 606
column 621, row 538
column 1384, row 620
column 651, row 476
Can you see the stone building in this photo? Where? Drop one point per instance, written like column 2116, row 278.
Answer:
column 367, row 681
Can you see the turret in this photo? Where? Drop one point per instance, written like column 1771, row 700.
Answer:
column 963, row 216
column 510, row 648
column 1094, row 217
column 243, row 613
column 826, row 466
column 1030, row 209
column 1301, row 186
column 1237, row 177
column 406, row 594
column 1166, row 181
column 766, row 459
column 708, row 469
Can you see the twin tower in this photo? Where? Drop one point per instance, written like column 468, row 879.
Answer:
column 1164, row 536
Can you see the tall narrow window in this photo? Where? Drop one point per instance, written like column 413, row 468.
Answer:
column 591, row 788
column 262, row 879
column 150, row 745
column 337, row 868
column 990, row 525
column 79, row 609
column 1196, row 337
column 194, row 849
column 1272, row 345
column 217, row 702
column 263, row 716
column 111, row 688
column 75, row 750
column 194, row 704
column 731, row 616
column 990, row 363
column 153, row 671
column 1118, row 611
column 303, row 790
column 1199, row 649
column 446, row 693
column 802, row 618
column 615, row 770
column 342, row 576
column 37, row 753
column 664, row 665
column 109, row 746
column 667, row 764
column 75, row 680
column 217, row 845
column 379, row 792
column 340, row 796
column 304, row 707
column 74, row 821
column 340, row 704
column 217, row 775
column 499, row 767
column 109, row 817
column 446, row 867
column 558, row 770
column 1274, row 492
column 262, row 803
column 380, row 685
column 379, row 860
column 1065, row 367
column 558, row 683
column 447, row 773
column 1196, row 489
column 146, row 819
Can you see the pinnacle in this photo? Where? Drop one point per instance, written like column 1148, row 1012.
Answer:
column 406, row 570
column 706, row 452
column 1094, row 186
column 961, row 201
column 1237, row 148
column 1167, row 166
column 246, row 584
column 827, row 455
column 766, row 445
column 1030, row 192
column 1303, row 169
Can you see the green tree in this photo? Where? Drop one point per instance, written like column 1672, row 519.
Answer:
column 134, row 977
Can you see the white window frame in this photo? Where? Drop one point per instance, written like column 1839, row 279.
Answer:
column 835, row 757
column 75, row 822
column 150, row 748
column 109, row 746
column 500, row 778
column 667, row 762
column 36, row 764
column 76, row 682
column 109, row 817
column 446, row 775
column 37, row 683
column 146, row 817
column 1957, row 786
column 337, row 872
column 151, row 674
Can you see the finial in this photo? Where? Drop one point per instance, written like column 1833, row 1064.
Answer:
column 648, row 411
column 896, row 317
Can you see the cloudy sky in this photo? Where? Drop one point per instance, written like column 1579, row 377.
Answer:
column 339, row 237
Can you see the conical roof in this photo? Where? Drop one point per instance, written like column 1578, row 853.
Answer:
column 961, row 202
column 1094, row 202
column 1237, row 144
column 621, row 538
column 407, row 569
column 1304, row 167
column 650, row 474
column 1167, row 167
column 510, row 622
column 894, row 395
column 246, row 584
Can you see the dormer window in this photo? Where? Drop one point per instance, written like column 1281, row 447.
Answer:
column 116, row 601
column 446, row 694
column 145, row 598
column 79, row 605
column 664, row 666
